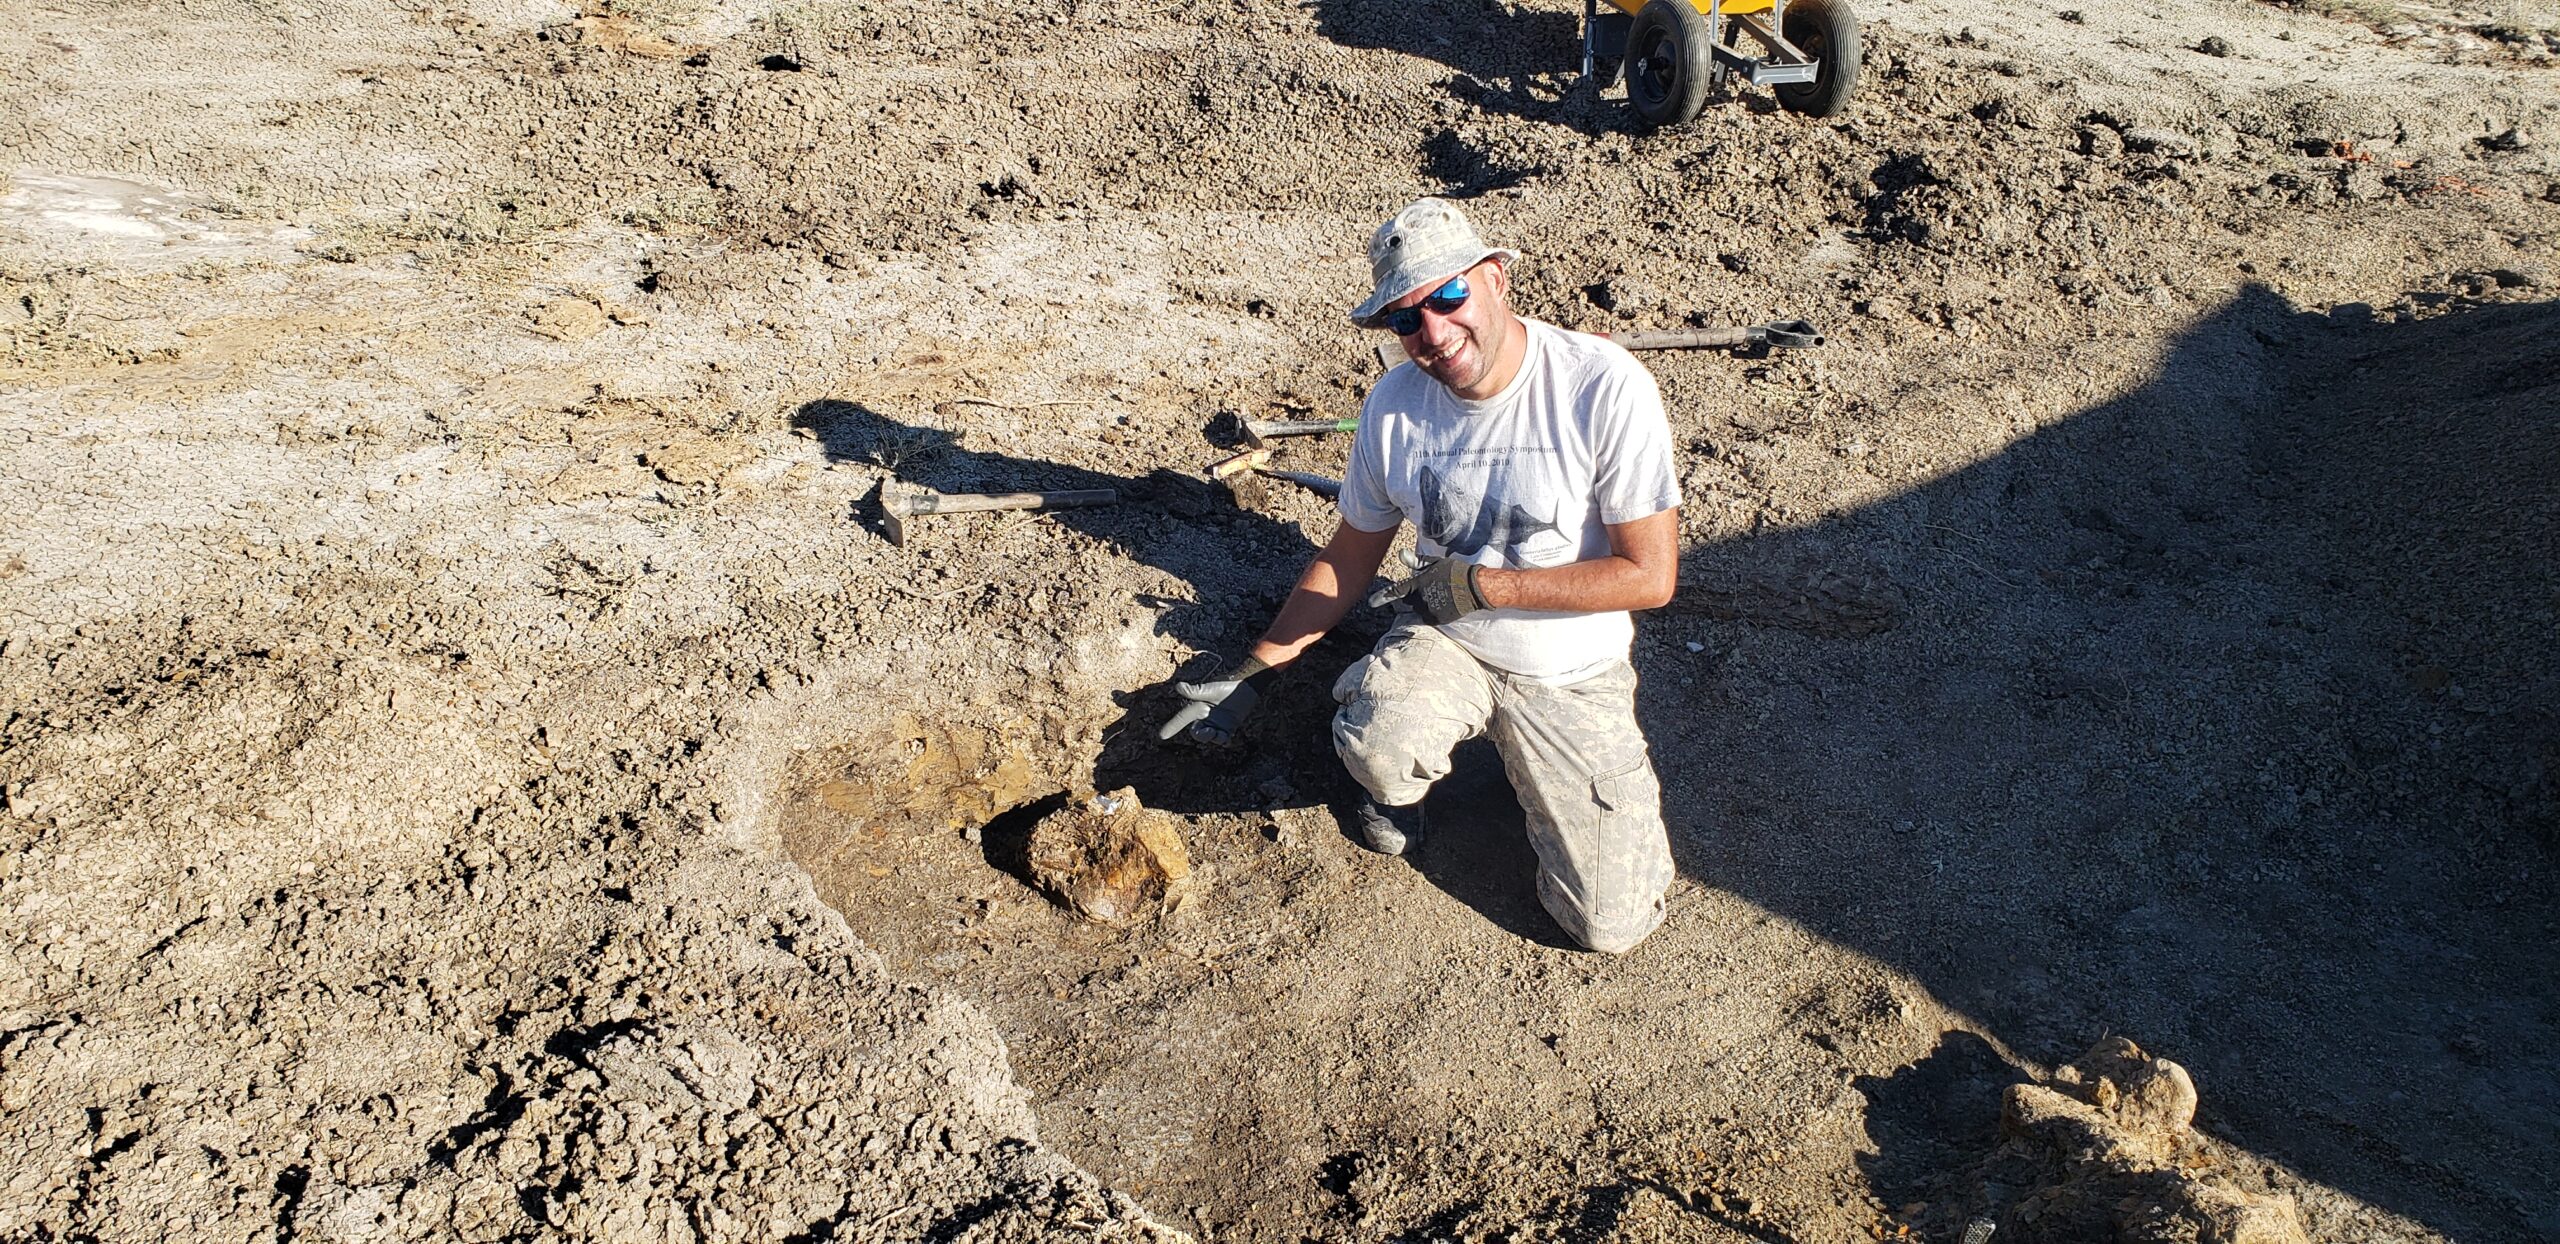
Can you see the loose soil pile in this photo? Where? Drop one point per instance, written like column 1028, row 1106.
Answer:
column 473, row 766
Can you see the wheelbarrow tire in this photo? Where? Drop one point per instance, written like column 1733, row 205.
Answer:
column 1668, row 62
column 1828, row 32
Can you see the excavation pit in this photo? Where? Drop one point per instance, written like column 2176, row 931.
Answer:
column 1228, row 1058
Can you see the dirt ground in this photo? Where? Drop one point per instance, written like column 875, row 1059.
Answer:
column 472, row 765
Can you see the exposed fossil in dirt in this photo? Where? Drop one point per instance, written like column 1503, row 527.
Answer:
column 1110, row 859
column 2103, row 1151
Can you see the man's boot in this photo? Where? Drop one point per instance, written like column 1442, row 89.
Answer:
column 1388, row 830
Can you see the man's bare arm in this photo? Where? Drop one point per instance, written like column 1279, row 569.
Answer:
column 1641, row 571
column 1336, row 578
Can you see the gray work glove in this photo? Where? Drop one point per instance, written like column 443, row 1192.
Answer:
column 1443, row 590
column 1217, row 708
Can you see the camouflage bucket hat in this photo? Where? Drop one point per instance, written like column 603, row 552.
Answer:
column 1426, row 243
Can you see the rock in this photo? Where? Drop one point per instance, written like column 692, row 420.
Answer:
column 2062, row 1124
column 1627, row 296
column 2214, row 45
column 953, row 776
column 693, row 459
column 569, row 319
column 2187, row 1209
column 2109, row 1148
column 2100, row 142
column 2147, row 141
column 2509, row 139
column 2145, row 1094
column 1110, row 859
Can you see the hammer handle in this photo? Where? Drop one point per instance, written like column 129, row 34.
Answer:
column 1299, row 427
column 1691, row 339
column 966, row 502
column 1783, row 334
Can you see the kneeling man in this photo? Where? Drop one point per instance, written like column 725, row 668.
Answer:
column 1535, row 466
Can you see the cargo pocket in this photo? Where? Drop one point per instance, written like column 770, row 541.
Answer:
column 1628, row 790
column 1627, row 865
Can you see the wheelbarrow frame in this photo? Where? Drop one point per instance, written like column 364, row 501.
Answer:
column 1785, row 62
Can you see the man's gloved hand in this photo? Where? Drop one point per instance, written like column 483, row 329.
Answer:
column 1218, row 707
column 1443, row 590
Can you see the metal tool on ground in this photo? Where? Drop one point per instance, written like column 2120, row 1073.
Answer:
column 1233, row 465
column 1774, row 335
column 900, row 502
column 1320, row 485
column 1236, row 469
column 1257, row 431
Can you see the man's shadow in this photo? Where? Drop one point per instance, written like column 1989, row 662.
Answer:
column 1239, row 562
column 1173, row 520
column 2221, row 714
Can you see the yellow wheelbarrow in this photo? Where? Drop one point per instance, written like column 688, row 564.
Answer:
column 1673, row 52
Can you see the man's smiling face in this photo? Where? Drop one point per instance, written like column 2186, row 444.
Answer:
column 1462, row 348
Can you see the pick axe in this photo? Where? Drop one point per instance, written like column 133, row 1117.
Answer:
column 1775, row 335
column 1260, row 432
column 900, row 502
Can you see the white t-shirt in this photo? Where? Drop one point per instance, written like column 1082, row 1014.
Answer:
column 1525, row 478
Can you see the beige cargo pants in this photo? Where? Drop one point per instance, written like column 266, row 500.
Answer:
column 1574, row 753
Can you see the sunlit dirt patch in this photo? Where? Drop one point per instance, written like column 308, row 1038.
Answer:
column 955, row 776
column 893, row 830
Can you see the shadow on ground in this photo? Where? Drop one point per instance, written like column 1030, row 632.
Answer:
column 1510, row 61
column 1238, row 563
column 1934, row 1118
column 2225, row 716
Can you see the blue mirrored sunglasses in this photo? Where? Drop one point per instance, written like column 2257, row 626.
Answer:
column 1406, row 321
